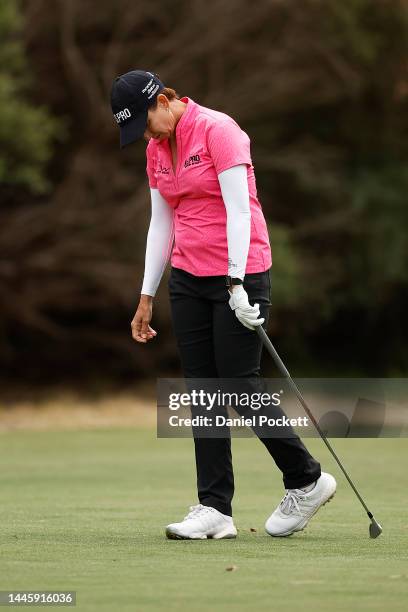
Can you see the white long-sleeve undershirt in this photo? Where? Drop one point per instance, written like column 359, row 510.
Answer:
column 235, row 194
column 159, row 242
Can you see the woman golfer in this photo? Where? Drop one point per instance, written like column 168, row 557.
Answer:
column 204, row 199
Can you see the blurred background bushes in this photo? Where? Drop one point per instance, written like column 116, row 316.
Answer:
column 322, row 90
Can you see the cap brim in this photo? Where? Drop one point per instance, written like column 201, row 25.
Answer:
column 133, row 130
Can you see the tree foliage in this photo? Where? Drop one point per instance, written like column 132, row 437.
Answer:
column 26, row 130
column 321, row 89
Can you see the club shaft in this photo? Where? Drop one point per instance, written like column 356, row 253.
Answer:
column 281, row 366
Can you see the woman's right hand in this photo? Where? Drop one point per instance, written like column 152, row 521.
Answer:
column 141, row 330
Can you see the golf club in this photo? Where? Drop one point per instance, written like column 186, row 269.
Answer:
column 375, row 528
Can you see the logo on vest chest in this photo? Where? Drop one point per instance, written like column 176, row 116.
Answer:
column 162, row 170
column 192, row 161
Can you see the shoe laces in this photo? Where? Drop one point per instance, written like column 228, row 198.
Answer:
column 196, row 511
column 290, row 502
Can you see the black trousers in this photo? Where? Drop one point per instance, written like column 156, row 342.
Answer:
column 212, row 343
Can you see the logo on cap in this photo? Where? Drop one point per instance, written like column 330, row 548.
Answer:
column 122, row 115
column 150, row 88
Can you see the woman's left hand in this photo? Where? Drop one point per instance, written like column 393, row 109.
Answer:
column 245, row 313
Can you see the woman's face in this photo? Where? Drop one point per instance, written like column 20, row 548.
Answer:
column 160, row 122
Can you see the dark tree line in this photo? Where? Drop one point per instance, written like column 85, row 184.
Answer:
column 320, row 87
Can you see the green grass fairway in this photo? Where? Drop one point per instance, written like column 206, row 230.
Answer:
column 86, row 510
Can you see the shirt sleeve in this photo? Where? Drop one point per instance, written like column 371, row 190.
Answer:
column 159, row 242
column 235, row 193
column 228, row 145
column 151, row 168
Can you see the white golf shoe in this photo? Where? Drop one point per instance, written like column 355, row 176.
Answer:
column 298, row 506
column 202, row 522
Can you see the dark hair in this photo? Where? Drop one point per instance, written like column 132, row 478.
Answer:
column 170, row 94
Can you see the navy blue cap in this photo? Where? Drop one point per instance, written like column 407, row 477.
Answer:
column 131, row 96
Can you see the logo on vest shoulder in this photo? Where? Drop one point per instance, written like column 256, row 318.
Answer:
column 192, row 160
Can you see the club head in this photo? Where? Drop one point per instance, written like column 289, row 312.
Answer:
column 375, row 528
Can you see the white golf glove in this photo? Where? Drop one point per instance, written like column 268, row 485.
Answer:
column 245, row 313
